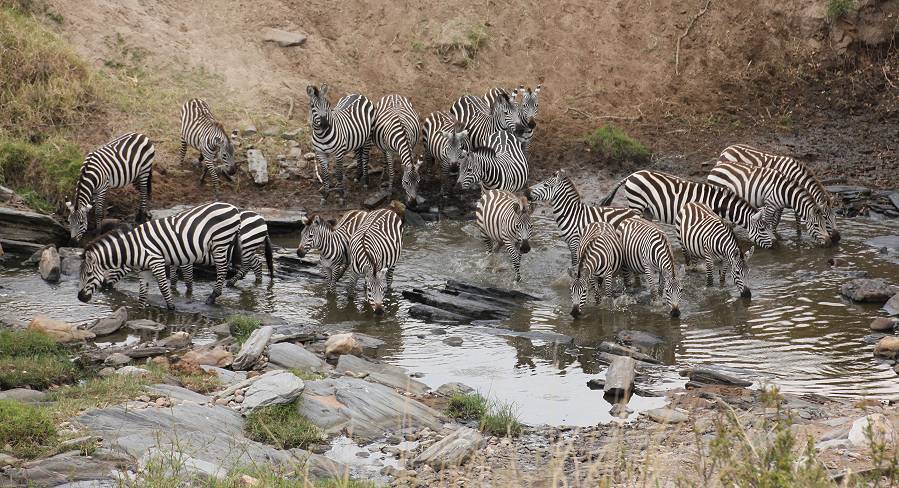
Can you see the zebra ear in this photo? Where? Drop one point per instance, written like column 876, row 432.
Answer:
column 537, row 89
column 70, row 206
column 748, row 254
column 310, row 90
column 324, row 89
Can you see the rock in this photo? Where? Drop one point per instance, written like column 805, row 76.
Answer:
column 887, row 347
column 106, row 372
column 666, row 415
column 18, row 226
column 175, row 341
column 68, row 467
column 144, row 324
column 883, row 324
column 281, row 221
column 117, row 359
column 258, row 166
column 452, row 450
column 376, row 199
column 253, row 348
column 288, row 355
column 108, row 325
column 6, row 193
column 619, row 381
column 869, row 290
column 891, row 307
column 248, row 130
column 26, row 395
column 49, row 265
column 453, row 388
column 339, row 344
column 386, row 374
column 178, row 393
column 711, row 376
column 282, row 37
column 881, row 431
column 71, row 266
column 291, row 135
column 272, row 388
column 619, row 350
column 888, row 242
column 131, row 371
column 838, row 262
column 216, row 356
column 59, row 330
column 270, row 131
column 638, row 338
column 453, row 341
column 227, row 377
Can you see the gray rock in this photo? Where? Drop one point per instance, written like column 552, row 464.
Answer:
column 877, row 425
column 883, row 324
column 282, row 220
column 144, row 324
column 108, row 325
column 454, row 341
column 19, row 226
column 227, row 377
column 282, row 37
column 270, row 131
column 453, row 388
column 258, row 166
column 131, row 371
column 23, row 395
column 888, row 241
column 869, row 290
column 291, row 135
column 70, row 266
column 253, row 348
column 249, row 130
column 117, row 359
column 71, row 252
column 891, row 307
column 288, row 355
column 49, row 265
column 68, row 467
column 176, row 340
column 666, row 416
column 6, row 193
column 386, row 374
column 638, row 338
column 452, row 450
column 272, row 388
column 376, row 199
column 178, row 393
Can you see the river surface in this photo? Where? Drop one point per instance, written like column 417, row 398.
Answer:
column 797, row 332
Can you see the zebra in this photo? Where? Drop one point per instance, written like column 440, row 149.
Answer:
column 126, row 159
column 769, row 188
column 599, row 256
column 521, row 120
column 153, row 246
column 705, row 235
column 395, row 131
column 648, row 252
column 335, row 132
column 502, row 165
column 571, row 213
column 202, row 131
column 505, row 221
column 795, row 170
column 331, row 239
column 663, row 196
column 482, row 119
column 446, row 143
column 253, row 238
column 374, row 250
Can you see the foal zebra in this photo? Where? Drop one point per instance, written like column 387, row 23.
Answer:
column 793, row 169
column 201, row 130
column 665, row 195
column 335, row 132
column 769, row 188
column 502, row 165
column 331, row 239
column 571, row 213
column 374, row 249
column 704, row 235
column 152, row 247
column 396, row 131
column 505, row 221
column 483, row 119
column 126, row 159
column 446, row 142
column 599, row 256
column 647, row 251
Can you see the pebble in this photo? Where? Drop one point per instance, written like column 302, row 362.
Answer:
column 394, row 440
column 221, row 401
column 666, row 416
column 144, row 398
column 238, row 398
column 453, row 341
column 363, row 454
column 883, row 324
column 163, row 402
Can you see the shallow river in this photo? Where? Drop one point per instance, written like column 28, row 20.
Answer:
column 796, row 332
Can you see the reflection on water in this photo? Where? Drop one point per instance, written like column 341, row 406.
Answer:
column 797, row 332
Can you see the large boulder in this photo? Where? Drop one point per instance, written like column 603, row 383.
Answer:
column 892, row 305
column 339, row 344
column 258, row 166
column 26, row 395
column 253, row 348
column 20, row 226
column 292, row 356
column 108, row 325
column 216, row 356
column 869, row 290
column 68, row 467
column 49, row 265
column 273, row 388
column 59, row 330
column 887, row 347
column 176, row 340
column 452, row 450
column 874, row 428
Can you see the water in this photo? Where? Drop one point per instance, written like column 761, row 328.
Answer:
column 797, row 332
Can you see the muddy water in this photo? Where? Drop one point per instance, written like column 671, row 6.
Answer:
column 796, row 332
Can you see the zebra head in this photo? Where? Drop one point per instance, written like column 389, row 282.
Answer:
column 759, row 230
column 471, row 170
column 503, row 111
column 527, row 113
column 226, row 155
column 458, row 145
column 817, row 226
column 411, row 177
column 313, row 234
column 827, row 207
column 546, row 189
column 673, row 292
column 739, row 268
column 91, row 275
column 521, row 225
column 319, row 108
column 579, row 288
column 78, row 219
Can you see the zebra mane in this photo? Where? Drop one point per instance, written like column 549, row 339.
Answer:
column 564, row 178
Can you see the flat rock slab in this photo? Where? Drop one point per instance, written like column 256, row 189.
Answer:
column 869, row 290
column 619, row 350
column 288, row 355
column 144, row 324
column 272, row 388
column 29, row 227
column 283, row 38
column 178, row 393
column 532, row 335
column 666, row 415
column 386, row 374
column 892, row 305
column 68, row 467
column 282, row 220
column 711, row 376
column 26, row 395
column 452, row 450
column 226, row 376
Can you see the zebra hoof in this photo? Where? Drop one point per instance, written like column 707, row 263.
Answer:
column 210, row 300
column 169, row 306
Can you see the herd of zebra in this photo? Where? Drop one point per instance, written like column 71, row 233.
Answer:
column 487, row 139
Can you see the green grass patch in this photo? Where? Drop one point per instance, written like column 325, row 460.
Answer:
column 616, row 145
column 501, row 420
column 44, row 173
column 837, row 9
column 27, row 343
column 282, row 426
column 28, row 431
column 32, row 359
column 241, row 326
column 307, row 375
column 469, row 406
column 99, row 393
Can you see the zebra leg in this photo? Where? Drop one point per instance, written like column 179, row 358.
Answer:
column 256, row 263
column 607, row 284
column 389, row 171
column 515, row 255
column 597, row 291
column 362, row 164
column 572, row 248
column 653, row 283
column 338, row 272
column 143, row 288
column 709, row 268
column 339, row 185
column 390, row 276
column 245, row 263
column 158, row 268
column 325, row 189
column 329, row 277
column 220, row 258
column 214, row 174
column 143, row 188
column 183, row 152
column 99, row 206
column 187, row 271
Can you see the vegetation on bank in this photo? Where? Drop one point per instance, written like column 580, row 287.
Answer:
column 837, row 9
column 43, row 173
column 494, row 417
column 25, row 430
column 33, row 359
column 282, row 426
column 242, row 326
column 614, row 144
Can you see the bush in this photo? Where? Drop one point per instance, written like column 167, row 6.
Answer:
column 614, row 144
column 27, row 430
column 44, row 173
column 501, row 420
column 837, row 9
column 282, row 426
column 471, row 406
column 241, row 326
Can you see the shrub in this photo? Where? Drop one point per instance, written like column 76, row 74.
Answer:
column 241, row 326
column 614, row 144
column 837, row 9
column 471, row 406
column 282, row 426
column 27, row 430
column 501, row 420
column 45, row 173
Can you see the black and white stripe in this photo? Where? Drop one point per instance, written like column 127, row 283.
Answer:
column 201, row 130
column 127, row 159
column 396, row 132
column 335, row 132
column 483, row 119
column 600, row 256
column 521, row 120
column 501, row 165
column 374, row 250
column 155, row 246
column 705, row 236
column 331, row 240
column 769, row 188
column 505, row 221
column 663, row 196
column 446, row 143
column 571, row 213
column 648, row 252
column 793, row 169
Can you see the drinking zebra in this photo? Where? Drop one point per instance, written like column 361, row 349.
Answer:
column 331, row 239
column 335, row 132
column 769, row 188
column 502, row 165
column 648, row 252
column 253, row 239
column 374, row 250
column 795, row 170
column 201, row 130
column 396, row 132
column 445, row 142
column 571, row 213
column 664, row 196
column 704, row 235
column 154, row 246
column 505, row 221
column 482, row 119
column 126, row 159
column 599, row 256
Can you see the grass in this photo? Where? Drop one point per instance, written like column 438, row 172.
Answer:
column 241, row 326
column 469, row 406
column 307, row 375
column 25, row 430
column 616, row 145
column 501, row 420
column 282, row 426
column 477, row 39
column 837, row 9
column 27, row 343
column 44, row 173
column 33, row 359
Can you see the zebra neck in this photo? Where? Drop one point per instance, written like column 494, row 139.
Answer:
column 567, row 208
column 737, row 211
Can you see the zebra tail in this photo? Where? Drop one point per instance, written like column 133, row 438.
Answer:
column 268, row 257
column 236, row 252
column 608, row 198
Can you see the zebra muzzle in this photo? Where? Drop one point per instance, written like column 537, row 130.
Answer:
column 746, row 293
column 675, row 312
column 301, row 253
column 84, row 296
column 378, row 308
column 575, row 311
column 525, row 247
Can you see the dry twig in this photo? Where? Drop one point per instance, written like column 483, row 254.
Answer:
column 696, row 17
